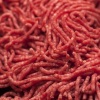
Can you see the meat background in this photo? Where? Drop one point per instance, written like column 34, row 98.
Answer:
column 49, row 49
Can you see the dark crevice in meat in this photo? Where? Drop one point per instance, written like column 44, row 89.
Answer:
column 4, row 90
column 97, row 4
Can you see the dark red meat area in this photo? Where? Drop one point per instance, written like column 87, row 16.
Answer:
column 49, row 49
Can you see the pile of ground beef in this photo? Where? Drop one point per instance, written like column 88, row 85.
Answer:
column 49, row 49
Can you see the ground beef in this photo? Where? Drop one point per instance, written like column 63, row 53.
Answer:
column 49, row 49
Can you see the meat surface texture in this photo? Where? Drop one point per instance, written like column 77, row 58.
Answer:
column 49, row 49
